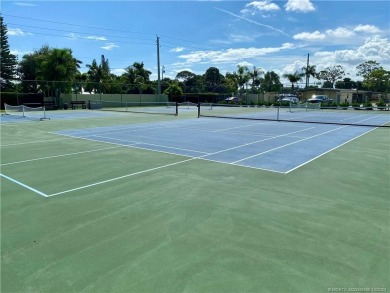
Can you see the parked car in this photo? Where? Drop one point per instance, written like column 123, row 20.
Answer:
column 233, row 100
column 288, row 98
column 320, row 99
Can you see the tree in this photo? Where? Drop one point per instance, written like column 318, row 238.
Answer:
column 184, row 76
column 212, row 78
column 346, row 83
column 255, row 76
column 364, row 69
column 294, row 78
column 271, row 82
column 332, row 74
column 8, row 61
column 59, row 67
column 242, row 76
column 377, row 80
column 136, row 77
column 195, row 84
column 174, row 89
column 99, row 76
column 47, row 69
column 308, row 71
column 231, row 82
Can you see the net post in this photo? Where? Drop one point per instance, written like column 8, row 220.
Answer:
column 277, row 113
column 24, row 116
column 177, row 108
column 44, row 114
column 198, row 109
column 5, row 110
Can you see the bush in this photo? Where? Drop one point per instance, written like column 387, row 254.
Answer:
column 355, row 104
column 381, row 103
column 344, row 104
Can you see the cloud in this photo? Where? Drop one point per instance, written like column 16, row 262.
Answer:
column 177, row 50
column 17, row 32
column 246, row 64
column 314, row 36
column 93, row 38
column 259, row 6
column 118, row 71
column 252, row 21
column 374, row 48
column 231, row 55
column 96, row 38
column 340, row 32
column 19, row 53
column 25, row 4
column 371, row 29
column 339, row 35
column 109, row 46
column 299, row 6
column 235, row 38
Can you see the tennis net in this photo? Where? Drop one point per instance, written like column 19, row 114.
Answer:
column 305, row 113
column 26, row 111
column 169, row 108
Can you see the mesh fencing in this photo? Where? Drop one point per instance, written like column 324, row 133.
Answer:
column 305, row 113
column 168, row 108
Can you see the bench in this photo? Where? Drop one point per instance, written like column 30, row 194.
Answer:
column 75, row 103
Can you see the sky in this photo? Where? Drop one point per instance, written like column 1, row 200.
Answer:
column 196, row 35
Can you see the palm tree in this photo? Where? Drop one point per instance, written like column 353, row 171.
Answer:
column 271, row 82
column 242, row 75
column 136, row 76
column 294, row 78
column 308, row 71
column 255, row 74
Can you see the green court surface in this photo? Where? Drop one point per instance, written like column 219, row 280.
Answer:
column 126, row 219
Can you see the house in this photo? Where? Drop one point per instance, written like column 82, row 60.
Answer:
column 341, row 95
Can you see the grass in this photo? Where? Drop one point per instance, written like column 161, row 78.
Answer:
column 198, row 226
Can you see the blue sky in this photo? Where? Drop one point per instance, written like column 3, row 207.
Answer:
column 196, row 35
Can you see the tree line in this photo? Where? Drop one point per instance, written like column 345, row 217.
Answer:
column 56, row 70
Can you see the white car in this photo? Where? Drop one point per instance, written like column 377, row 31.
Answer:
column 233, row 100
column 288, row 98
column 319, row 99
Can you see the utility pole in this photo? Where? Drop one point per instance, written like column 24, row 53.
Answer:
column 158, row 68
column 307, row 73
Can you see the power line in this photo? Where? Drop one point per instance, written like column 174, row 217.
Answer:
column 78, row 25
column 86, row 38
column 126, row 31
column 73, row 32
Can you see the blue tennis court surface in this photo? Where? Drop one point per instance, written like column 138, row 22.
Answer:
column 267, row 145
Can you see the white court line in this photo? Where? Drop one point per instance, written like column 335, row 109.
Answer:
column 288, row 144
column 30, row 142
column 160, row 167
column 134, row 145
column 257, row 141
column 58, row 156
column 151, row 144
column 120, row 177
column 127, row 128
column 336, row 147
column 242, row 126
column 24, row 185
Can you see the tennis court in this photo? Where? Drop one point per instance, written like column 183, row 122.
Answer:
column 101, row 201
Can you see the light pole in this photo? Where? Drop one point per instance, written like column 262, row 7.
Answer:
column 162, row 72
